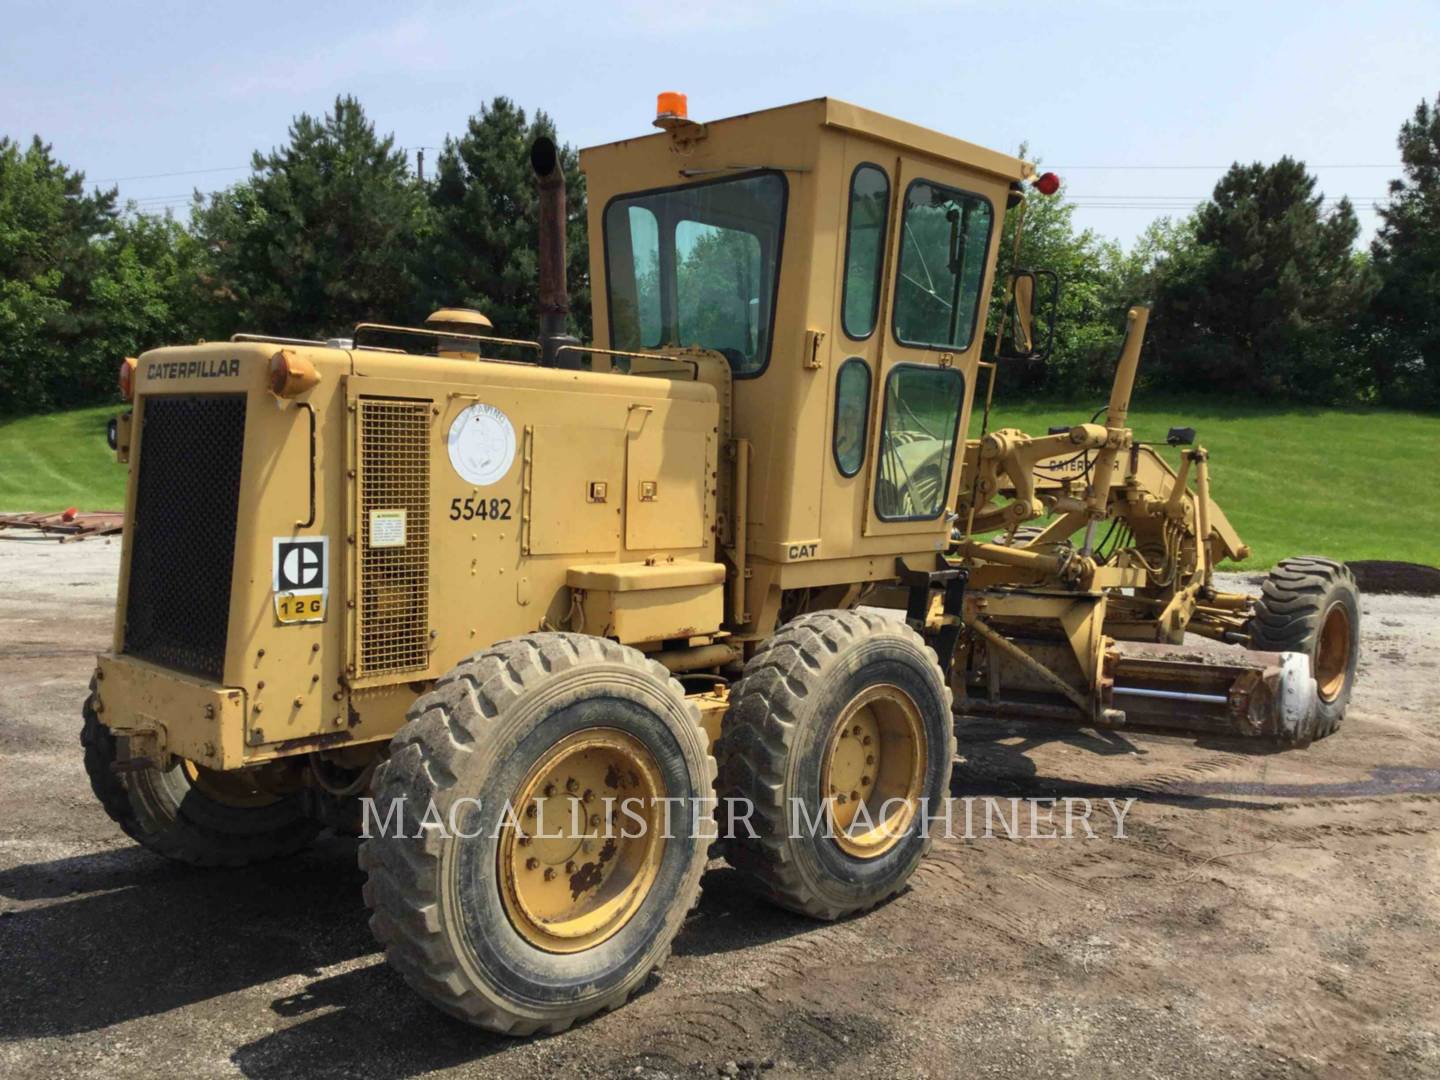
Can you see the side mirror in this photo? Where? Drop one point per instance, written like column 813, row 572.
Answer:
column 1034, row 305
column 112, row 433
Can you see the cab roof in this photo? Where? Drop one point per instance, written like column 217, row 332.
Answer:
column 843, row 116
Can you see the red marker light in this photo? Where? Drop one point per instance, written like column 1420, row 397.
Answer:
column 69, row 514
column 1047, row 183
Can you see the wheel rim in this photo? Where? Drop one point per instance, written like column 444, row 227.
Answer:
column 589, row 840
column 1332, row 658
column 874, row 771
column 229, row 788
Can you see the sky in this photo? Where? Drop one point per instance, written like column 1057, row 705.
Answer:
column 1139, row 106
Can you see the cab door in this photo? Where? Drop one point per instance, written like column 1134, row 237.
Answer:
column 855, row 339
column 941, row 255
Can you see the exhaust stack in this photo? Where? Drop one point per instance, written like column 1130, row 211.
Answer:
column 554, row 294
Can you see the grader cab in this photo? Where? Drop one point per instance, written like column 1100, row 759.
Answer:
column 543, row 619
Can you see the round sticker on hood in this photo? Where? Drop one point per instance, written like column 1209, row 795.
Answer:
column 482, row 445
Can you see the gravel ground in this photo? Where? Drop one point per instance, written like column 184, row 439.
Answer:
column 1267, row 914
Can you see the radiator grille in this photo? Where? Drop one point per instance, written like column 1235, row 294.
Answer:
column 182, row 539
column 394, row 586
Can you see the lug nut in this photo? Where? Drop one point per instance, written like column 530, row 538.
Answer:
column 570, row 867
column 594, row 819
column 856, row 730
column 869, row 759
column 589, row 796
column 549, row 873
column 571, row 786
column 864, row 781
column 865, row 741
column 549, row 790
column 532, row 863
column 855, row 795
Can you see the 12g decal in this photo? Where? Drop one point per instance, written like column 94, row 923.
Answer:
column 482, row 509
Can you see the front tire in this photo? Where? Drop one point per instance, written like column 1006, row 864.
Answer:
column 1311, row 605
column 513, row 920
column 839, row 710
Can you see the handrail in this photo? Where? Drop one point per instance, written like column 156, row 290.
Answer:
column 693, row 364
column 619, row 352
column 272, row 339
column 446, row 334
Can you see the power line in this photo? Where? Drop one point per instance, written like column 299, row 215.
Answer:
column 1166, row 195
column 1160, row 207
column 198, row 172
column 1207, row 168
column 163, row 175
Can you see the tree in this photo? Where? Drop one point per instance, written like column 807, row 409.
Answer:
column 52, row 237
column 325, row 234
column 144, row 293
column 1406, row 254
column 1268, row 297
column 482, row 252
column 1090, row 320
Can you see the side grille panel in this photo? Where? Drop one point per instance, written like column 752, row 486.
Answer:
column 394, row 583
column 183, row 536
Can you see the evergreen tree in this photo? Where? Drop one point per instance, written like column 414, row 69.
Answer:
column 483, row 250
column 325, row 234
column 1268, row 298
column 1406, row 253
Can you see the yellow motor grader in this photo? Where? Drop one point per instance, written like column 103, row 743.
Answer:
column 540, row 618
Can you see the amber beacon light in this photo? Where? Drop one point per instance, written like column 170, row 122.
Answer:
column 127, row 378
column 291, row 375
column 671, row 109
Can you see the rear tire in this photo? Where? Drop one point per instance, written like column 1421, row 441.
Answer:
column 167, row 812
column 1311, row 605
column 477, row 923
column 781, row 744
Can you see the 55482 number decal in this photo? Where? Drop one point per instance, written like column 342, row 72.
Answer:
column 482, row 509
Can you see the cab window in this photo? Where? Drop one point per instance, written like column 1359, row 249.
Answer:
column 917, row 441
column 852, row 415
column 697, row 265
column 864, row 250
column 645, row 244
column 945, row 234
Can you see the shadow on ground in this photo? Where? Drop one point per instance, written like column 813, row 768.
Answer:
column 117, row 935
column 126, row 935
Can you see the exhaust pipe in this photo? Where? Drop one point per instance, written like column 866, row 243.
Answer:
column 554, row 294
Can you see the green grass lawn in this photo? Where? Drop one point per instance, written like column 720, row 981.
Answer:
column 61, row 460
column 1350, row 483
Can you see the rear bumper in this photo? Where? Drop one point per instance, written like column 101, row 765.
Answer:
column 168, row 712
